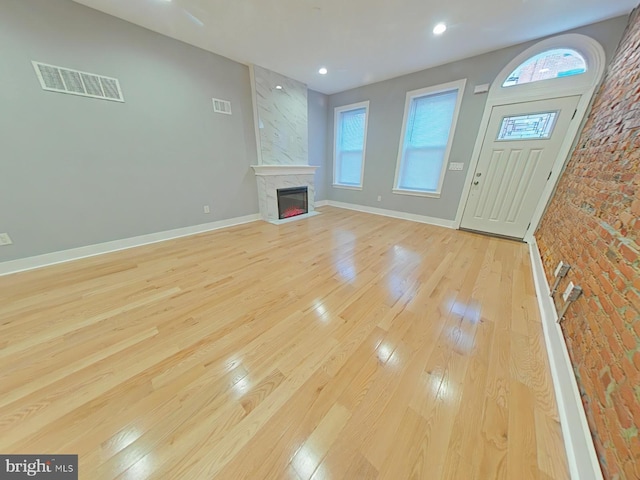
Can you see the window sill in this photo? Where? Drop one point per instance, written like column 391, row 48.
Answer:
column 416, row 193
column 347, row 187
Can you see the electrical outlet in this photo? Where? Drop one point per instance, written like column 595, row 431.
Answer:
column 5, row 239
column 206, row 209
column 456, row 166
column 557, row 270
column 562, row 269
column 568, row 291
column 575, row 292
column 379, row 198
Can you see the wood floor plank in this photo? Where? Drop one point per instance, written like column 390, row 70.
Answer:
column 407, row 443
column 359, row 469
column 548, row 433
column 495, row 422
column 522, row 453
column 313, row 450
column 345, row 345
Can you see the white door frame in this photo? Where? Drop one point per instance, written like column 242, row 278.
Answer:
column 584, row 85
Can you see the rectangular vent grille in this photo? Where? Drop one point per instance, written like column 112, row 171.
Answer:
column 66, row 80
column 222, row 106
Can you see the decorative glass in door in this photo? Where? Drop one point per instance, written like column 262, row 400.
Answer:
column 535, row 126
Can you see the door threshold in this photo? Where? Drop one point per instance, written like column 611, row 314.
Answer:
column 496, row 235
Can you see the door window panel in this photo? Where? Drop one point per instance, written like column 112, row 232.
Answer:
column 535, row 126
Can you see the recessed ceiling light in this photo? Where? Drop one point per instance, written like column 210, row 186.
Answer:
column 439, row 29
column 323, row 71
column 278, row 87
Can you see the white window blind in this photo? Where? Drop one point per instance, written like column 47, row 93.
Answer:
column 426, row 139
column 350, row 138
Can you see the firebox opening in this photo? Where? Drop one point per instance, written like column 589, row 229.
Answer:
column 292, row 202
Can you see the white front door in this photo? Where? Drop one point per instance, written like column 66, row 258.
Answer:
column 520, row 147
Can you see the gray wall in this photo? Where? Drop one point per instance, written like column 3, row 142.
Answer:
column 386, row 110
column 76, row 171
column 318, row 108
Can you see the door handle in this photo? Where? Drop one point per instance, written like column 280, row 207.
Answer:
column 476, row 183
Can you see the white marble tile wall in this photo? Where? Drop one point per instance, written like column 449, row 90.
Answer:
column 269, row 184
column 262, row 196
column 282, row 118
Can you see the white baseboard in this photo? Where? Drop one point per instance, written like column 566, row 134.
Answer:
column 322, row 203
column 30, row 263
column 393, row 213
column 581, row 453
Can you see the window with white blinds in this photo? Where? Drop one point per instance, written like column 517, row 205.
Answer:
column 429, row 122
column 350, row 138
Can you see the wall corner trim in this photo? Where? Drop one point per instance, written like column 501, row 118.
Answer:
column 439, row 222
column 39, row 261
column 581, row 454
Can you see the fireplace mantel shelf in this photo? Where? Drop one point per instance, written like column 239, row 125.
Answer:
column 284, row 169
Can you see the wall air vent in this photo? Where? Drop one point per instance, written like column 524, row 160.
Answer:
column 66, row 80
column 222, row 106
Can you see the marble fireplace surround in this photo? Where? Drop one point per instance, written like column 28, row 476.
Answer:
column 281, row 127
column 272, row 177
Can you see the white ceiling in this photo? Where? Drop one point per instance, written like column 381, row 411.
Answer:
column 359, row 41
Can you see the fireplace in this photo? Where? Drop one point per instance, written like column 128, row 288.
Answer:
column 292, row 202
column 286, row 178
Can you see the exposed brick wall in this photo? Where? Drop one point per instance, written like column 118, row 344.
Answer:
column 593, row 223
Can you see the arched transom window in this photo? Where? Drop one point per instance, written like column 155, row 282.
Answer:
column 555, row 63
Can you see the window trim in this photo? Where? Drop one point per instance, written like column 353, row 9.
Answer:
column 336, row 115
column 458, row 85
column 591, row 51
column 547, row 51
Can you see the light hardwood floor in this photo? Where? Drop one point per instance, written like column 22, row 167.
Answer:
column 343, row 346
